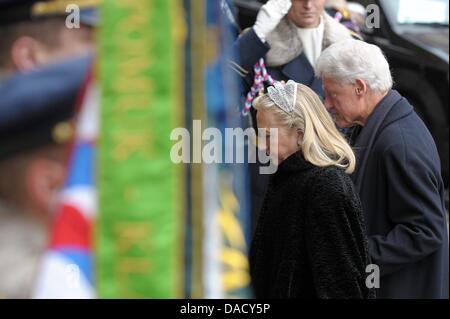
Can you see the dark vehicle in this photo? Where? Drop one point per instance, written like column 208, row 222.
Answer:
column 414, row 34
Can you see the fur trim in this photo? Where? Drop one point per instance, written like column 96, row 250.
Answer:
column 286, row 45
column 22, row 244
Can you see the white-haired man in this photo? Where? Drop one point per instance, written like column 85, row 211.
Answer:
column 398, row 171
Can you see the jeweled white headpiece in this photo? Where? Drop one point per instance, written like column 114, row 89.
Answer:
column 284, row 96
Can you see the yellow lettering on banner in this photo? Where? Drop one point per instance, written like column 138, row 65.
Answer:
column 131, row 136
column 236, row 279
column 234, row 259
column 133, row 77
column 129, row 46
column 133, row 44
column 131, row 235
column 134, row 30
column 135, row 66
column 229, row 223
column 138, row 6
column 127, row 144
column 134, row 85
column 231, row 228
column 132, row 102
column 131, row 266
column 236, row 267
column 126, row 269
column 236, row 274
column 131, row 238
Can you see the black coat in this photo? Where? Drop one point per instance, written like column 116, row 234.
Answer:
column 399, row 180
column 310, row 240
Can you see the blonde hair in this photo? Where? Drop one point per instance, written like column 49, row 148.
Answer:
column 323, row 145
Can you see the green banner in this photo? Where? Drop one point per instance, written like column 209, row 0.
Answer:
column 139, row 233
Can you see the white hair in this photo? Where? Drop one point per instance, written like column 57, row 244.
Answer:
column 349, row 60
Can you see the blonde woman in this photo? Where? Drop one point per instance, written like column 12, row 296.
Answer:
column 310, row 239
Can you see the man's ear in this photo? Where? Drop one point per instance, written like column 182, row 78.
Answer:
column 43, row 180
column 25, row 53
column 360, row 87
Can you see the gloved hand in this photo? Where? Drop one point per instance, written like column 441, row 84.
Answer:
column 270, row 16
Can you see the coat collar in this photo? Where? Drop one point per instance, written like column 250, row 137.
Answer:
column 294, row 163
column 285, row 45
column 384, row 114
column 398, row 112
column 299, row 70
column 379, row 117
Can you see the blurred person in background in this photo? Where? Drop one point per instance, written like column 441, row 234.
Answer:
column 290, row 35
column 34, row 33
column 350, row 14
column 36, row 113
column 398, row 173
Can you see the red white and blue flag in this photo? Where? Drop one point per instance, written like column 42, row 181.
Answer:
column 67, row 270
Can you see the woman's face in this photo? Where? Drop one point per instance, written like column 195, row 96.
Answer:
column 285, row 139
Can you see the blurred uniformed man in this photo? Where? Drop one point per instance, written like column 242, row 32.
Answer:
column 34, row 33
column 36, row 114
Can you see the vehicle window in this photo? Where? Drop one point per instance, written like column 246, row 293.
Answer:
column 433, row 12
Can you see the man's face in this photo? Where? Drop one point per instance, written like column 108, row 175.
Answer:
column 45, row 43
column 38, row 176
column 306, row 13
column 342, row 102
column 73, row 42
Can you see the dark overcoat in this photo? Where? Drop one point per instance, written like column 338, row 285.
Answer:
column 399, row 180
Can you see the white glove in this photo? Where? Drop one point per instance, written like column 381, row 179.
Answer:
column 270, row 16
